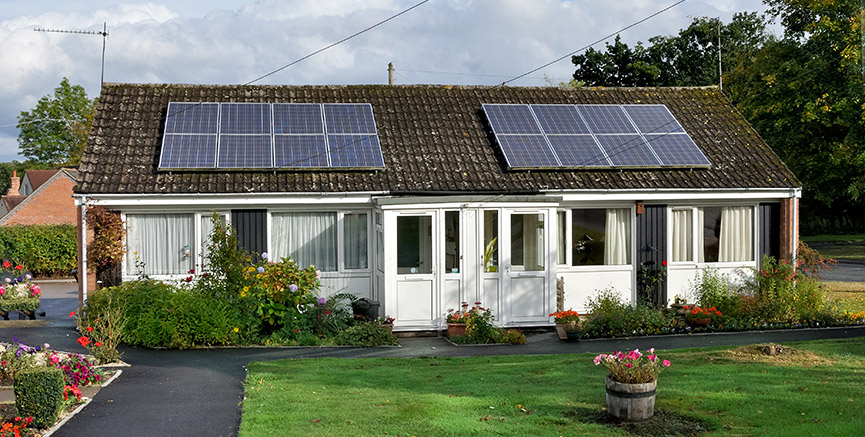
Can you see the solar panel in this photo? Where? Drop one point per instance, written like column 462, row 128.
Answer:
column 511, row 119
column 298, row 151
column 297, row 118
column 578, row 151
column 355, row 151
column 349, row 118
column 188, row 151
column 653, row 119
column 245, row 151
column 606, row 119
column 244, row 118
column 677, row 150
column 559, row 119
column 527, row 151
column 192, row 118
column 628, row 151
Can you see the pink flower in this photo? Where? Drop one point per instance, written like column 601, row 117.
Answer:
column 318, row 274
column 666, row 363
column 629, row 365
column 598, row 358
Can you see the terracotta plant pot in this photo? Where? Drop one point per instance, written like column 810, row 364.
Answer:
column 456, row 329
column 563, row 328
column 700, row 322
column 630, row 402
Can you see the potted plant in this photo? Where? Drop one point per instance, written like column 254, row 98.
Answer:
column 17, row 293
column 489, row 261
column 631, row 383
column 456, row 320
column 567, row 324
column 678, row 304
column 387, row 322
column 700, row 316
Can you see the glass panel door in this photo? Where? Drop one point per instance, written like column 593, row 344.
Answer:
column 414, row 245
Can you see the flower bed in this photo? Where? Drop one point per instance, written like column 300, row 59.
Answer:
column 17, row 292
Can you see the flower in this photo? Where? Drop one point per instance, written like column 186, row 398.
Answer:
column 633, row 367
column 242, row 294
column 292, row 287
column 28, row 277
column 318, row 274
column 566, row 317
column 666, row 363
column 664, row 263
column 83, row 341
column 7, row 264
column 236, row 329
column 98, row 344
column 72, row 314
column 192, row 271
column 89, row 329
column 322, row 301
column 264, row 255
column 19, row 267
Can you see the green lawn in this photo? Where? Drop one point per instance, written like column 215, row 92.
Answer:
column 816, row 392
column 849, row 296
column 840, row 247
column 832, row 238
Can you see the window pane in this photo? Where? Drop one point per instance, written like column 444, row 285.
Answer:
column 452, row 241
column 588, row 236
column 560, row 248
column 355, row 245
column 163, row 243
column 414, row 245
column 682, row 249
column 206, row 231
column 527, row 242
column 308, row 238
column 491, row 241
column 379, row 248
column 711, row 229
column 617, row 238
column 736, row 234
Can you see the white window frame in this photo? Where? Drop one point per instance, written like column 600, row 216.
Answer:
column 569, row 230
column 695, row 248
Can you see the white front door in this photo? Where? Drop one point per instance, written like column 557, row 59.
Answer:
column 528, row 264
column 417, row 297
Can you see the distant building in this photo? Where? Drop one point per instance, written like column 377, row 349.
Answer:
column 43, row 197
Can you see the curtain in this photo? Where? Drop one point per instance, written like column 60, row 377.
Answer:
column 682, row 231
column 308, row 238
column 355, row 245
column 700, row 236
column 206, row 231
column 736, row 234
column 164, row 243
column 617, row 238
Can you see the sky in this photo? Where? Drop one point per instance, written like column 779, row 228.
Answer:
column 455, row 42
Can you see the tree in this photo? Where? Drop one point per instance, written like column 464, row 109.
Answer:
column 6, row 169
column 804, row 94
column 619, row 66
column 55, row 131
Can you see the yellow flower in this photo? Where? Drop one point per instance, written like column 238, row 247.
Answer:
column 236, row 329
column 242, row 294
column 246, row 288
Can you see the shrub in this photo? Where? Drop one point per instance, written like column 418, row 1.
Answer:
column 810, row 263
column 103, row 322
column 39, row 394
column 715, row 290
column 782, row 294
column 367, row 334
column 47, row 250
column 512, row 336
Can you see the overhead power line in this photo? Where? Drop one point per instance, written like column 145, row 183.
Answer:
column 597, row 42
column 336, row 43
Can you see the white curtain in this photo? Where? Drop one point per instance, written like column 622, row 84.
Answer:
column 165, row 243
column 617, row 238
column 308, row 238
column 206, row 231
column 356, row 247
column 701, row 232
column 682, row 235
column 737, row 224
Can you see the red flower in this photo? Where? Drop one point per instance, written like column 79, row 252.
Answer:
column 89, row 329
column 7, row 264
column 191, row 271
column 19, row 267
column 189, row 279
column 98, row 344
column 72, row 314
column 83, row 341
column 664, row 263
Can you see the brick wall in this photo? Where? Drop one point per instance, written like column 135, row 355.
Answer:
column 789, row 228
column 51, row 206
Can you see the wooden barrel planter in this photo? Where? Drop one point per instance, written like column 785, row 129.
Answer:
column 630, row 402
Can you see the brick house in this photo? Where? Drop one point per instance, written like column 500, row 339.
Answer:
column 42, row 197
column 422, row 197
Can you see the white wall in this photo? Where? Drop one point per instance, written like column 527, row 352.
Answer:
column 581, row 284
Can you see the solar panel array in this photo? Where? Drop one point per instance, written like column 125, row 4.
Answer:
column 592, row 136
column 270, row 135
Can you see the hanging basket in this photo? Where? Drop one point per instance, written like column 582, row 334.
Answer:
column 630, row 402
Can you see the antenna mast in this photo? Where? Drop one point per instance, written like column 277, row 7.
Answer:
column 104, row 34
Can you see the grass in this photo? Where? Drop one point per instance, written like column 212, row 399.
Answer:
column 832, row 238
column 839, row 247
column 733, row 392
column 849, row 296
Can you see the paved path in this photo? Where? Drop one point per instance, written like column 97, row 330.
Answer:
column 198, row 393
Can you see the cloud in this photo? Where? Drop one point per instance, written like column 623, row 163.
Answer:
column 480, row 42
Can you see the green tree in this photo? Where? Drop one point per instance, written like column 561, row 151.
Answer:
column 804, row 94
column 55, row 131
column 6, row 169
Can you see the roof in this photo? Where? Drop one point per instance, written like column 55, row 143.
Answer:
column 10, row 202
column 15, row 204
column 39, row 177
column 435, row 140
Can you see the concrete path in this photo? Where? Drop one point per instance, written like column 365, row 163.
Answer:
column 198, row 393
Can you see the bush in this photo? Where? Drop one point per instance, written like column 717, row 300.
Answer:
column 367, row 334
column 39, row 394
column 103, row 323
column 612, row 317
column 782, row 294
column 47, row 250
column 715, row 290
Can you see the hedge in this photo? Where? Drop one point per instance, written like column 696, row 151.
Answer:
column 44, row 250
column 39, row 394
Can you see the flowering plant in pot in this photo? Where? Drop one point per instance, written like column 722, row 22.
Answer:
column 17, row 293
column 701, row 315
column 631, row 382
column 566, row 321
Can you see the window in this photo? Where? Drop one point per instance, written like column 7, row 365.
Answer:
column 308, row 238
column 355, row 244
column 452, row 241
column 414, row 245
column 164, row 244
column 527, row 242
column 720, row 234
column 562, row 225
column 601, row 236
column 491, row 241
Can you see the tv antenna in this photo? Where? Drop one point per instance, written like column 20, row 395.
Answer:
column 104, row 34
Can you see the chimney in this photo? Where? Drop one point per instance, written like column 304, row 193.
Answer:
column 14, row 184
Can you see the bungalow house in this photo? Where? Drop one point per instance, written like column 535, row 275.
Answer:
column 43, row 197
column 422, row 197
